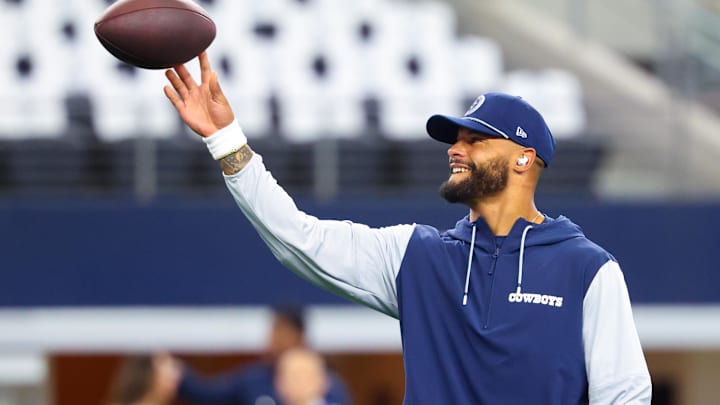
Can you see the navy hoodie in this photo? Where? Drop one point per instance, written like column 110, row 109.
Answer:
column 501, row 347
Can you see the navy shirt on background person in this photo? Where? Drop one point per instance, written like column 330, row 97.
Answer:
column 246, row 386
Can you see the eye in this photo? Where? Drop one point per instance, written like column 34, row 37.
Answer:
column 472, row 137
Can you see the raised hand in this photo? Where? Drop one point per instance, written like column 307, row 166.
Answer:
column 203, row 107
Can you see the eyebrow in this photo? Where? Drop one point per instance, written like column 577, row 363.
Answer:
column 477, row 134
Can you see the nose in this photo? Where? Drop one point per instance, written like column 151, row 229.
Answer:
column 455, row 149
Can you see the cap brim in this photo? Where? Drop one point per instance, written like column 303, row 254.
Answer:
column 444, row 128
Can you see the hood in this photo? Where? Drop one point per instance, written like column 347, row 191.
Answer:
column 551, row 231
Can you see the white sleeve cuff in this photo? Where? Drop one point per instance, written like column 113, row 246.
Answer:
column 226, row 141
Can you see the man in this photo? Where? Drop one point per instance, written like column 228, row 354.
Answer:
column 509, row 307
column 301, row 378
column 255, row 383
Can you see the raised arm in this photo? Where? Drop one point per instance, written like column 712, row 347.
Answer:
column 353, row 260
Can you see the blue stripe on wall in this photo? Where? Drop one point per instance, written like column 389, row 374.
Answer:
column 206, row 253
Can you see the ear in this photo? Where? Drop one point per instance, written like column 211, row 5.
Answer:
column 524, row 159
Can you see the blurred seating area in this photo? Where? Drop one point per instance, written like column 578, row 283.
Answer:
column 360, row 76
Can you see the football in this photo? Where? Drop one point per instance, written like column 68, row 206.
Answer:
column 155, row 34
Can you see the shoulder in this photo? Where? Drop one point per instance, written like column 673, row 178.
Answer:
column 423, row 235
column 571, row 249
column 425, row 231
column 429, row 234
column 585, row 249
column 255, row 372
column 586, row 256
column 426, row 240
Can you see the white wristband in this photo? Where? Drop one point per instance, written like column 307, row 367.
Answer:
column 226, row 141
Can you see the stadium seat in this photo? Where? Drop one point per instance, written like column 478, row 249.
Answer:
column 127, row 102
column 10, row 27
column 555, row 93
column 478, row 65
column 157, row 117
column 275, row 11
column 113, row 90
column 433, row 24
column 566, row 109
column 33, row 94
column 403, row 117
column 231, row 18
column 318, row 83
column 35, row 70
column 411, row 79
column 242, row 68
column 319, row 98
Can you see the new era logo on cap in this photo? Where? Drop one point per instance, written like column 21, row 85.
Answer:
column 501, row 115
column 521, row 132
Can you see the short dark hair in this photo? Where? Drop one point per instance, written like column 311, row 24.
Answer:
column 293, row 314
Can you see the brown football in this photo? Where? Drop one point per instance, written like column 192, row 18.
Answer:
column 155, row 34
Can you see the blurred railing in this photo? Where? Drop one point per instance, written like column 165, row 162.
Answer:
column 147, row 169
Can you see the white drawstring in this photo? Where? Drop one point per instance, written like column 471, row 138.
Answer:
column 469, row 266
column 520, row 264
column 522, row 254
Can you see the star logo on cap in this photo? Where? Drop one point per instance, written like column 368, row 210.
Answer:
column 475, row 105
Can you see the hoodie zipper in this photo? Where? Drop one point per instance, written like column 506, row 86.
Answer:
column 491, row 273
column 494, row 262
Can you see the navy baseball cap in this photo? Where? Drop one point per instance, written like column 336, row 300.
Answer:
column 500, row 115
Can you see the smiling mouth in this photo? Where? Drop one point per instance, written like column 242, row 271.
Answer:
column 456, row 170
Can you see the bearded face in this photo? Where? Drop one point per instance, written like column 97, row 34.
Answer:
column 477, row 182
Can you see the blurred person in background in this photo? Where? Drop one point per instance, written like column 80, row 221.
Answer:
column 256, row 382
column 301, row 378
column 544, row 318
column 145, row 380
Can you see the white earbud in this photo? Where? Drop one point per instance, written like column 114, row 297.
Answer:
column 523, row 161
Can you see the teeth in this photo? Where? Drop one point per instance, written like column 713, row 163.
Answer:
column 459, row 170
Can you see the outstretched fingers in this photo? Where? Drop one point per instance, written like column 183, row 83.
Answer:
column 205, row 69
column 186, row 77
column 177, row 84
column 176, row 101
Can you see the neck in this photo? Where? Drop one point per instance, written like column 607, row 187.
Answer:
column 500, row 212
